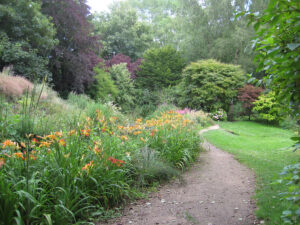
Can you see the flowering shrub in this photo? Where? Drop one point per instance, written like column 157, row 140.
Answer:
column 219, row 115
column 67, row 176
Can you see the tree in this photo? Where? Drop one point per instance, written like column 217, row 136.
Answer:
column 278, row 49
column 160, row 68
column 121, row 77
column 268, row 107
column 210, row 85
column 73, row 60
column 132, row 67
column 248, row 95
column 103, row 86
column 122, row 32
column 26, row 38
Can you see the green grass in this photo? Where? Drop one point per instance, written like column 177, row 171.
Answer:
column 266, row 150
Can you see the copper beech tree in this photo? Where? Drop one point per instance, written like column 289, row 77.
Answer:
column 248, row 95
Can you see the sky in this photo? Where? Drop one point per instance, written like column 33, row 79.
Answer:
column 99, row 5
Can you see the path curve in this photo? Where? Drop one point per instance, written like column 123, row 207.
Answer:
column 217, row 191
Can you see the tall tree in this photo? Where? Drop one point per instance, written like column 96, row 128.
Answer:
column 26, row 38
column 122, row 32
column 73, row 60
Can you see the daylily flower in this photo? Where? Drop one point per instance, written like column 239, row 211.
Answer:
column 62, row 142
column 8, row 143
column 2, row 162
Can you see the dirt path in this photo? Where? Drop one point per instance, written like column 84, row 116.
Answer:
column 217, row 191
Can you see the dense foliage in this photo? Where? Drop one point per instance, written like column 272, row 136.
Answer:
column 210, row 85
column 103, row 87
column 268, row 107
column 132, row 67
column 122, row 32
column 160, row 68
column 126, row 91
column 278, row 49
column 73, row 59
column 247, row 95
column 26, row 38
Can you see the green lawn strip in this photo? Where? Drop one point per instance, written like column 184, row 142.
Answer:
column 266, row 150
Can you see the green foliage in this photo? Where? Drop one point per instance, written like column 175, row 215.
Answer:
column 268, row 107
column 265, row 149
column 26, row 38
column 103, row 85
column 291, row 178
column 278, row 48
column 126, row 91
column 210, row 85
column 122, row 32
column 160, row 68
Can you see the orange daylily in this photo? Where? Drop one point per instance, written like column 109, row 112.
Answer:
column 2, row 162
column 8, row 143
column 62, row 142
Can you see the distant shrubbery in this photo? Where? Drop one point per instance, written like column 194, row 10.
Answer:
column 210, row 85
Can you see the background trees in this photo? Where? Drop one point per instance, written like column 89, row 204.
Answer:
column 26, row 38
column 160, row 68
column 122, row 32
column 73, row 59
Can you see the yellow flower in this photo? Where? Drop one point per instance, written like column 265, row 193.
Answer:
column 137, row 132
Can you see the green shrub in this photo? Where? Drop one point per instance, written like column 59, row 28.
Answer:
column 160, row 68
column 103, row 85
column 291, row 178
column 210, row 85
column 126, row 91
column 268, row 108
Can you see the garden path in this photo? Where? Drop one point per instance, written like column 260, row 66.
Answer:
column 217, row 190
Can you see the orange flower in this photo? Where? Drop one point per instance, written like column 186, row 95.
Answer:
column 45, row 144
column 137, row 132
column 62, row 142
column 118, row 162
column 35, row 141
column 88, row 166
column 58, row 134
column 33, row 157
column 152, row 133
column 124, row 138
column 86, row 132
column 2, row 162
column 51, row 136
column 71, row 132
column 142, row 139
column 8, row 143
column 23, row 144
column 19, row 155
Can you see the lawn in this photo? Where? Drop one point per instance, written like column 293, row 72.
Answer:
column 266, row 150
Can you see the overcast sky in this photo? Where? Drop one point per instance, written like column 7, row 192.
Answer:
column 100, row 5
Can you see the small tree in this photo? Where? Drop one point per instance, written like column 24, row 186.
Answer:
column 247, row 95
column 103, row 86
column 160, row 68
column 132, row 67
column 268, row 107
column 210, row 85
column 121, row 78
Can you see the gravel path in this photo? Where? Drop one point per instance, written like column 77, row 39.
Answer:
column 217, row 190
